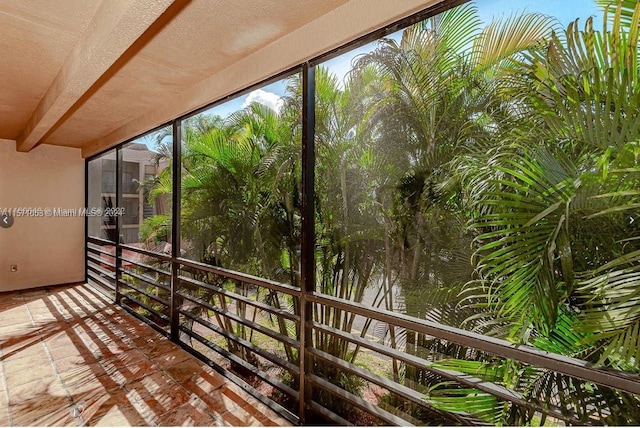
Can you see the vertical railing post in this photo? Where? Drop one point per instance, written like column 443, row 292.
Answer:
column 176, row 197
column 118, row 203
column 307, row 265
column 86, row 221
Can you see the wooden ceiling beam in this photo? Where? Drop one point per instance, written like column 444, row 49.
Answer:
column 115, row 28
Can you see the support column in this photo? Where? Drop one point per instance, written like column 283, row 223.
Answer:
column 308, row 234
column 119, row 203
column 176, row 197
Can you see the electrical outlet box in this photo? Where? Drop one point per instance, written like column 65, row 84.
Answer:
column 13, row 268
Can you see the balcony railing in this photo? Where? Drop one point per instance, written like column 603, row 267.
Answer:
column 249, row 329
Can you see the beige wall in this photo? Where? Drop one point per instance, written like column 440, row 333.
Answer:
column 47, row 250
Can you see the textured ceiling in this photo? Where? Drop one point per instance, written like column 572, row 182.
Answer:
column 91, row 73
column 204, row 38
column 35, row 40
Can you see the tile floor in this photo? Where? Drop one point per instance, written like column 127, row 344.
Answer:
column 68, row 357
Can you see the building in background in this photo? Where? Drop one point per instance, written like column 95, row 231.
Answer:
column 139, row 168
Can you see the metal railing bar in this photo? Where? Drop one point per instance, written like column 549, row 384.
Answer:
column 462, row 378
column 146, row 293
column 146, row 307
column 250, row 279
column 99, row 250
column 292, row 368
column 235, row 296
column 555, row 362
column 176, row 205
column 148, row 267
column 374, row 346
column 397, row 388
column 357, row 401
column 144, row 319
column 100, row 261
column 243, row 321
column 101, row 271
column 147, row 280
column 231, row 357
column 388, row 384
column 242, row 384
column 161, row 256
column 328, row 414
column 99, row 241
column 100, row 280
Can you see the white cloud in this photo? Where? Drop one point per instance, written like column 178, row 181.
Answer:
column 269, row 99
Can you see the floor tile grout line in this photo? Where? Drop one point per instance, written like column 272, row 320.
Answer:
column 3, row 367
column 106, row 325
column 50, row 356
column 161, row 370
column 73, row 309
column 6, row 388
column 60, row 306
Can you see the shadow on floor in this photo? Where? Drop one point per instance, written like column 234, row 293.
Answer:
column 68, row 356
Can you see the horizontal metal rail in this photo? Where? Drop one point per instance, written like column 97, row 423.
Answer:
column 290, row 367
column 555, row 362
column 99, row 291
column 147, row 267
column 249, row 279
column 97, row 269
column 98, row 260
column 294, row 419
column 147, row 308
column 240, row 320
column 394, row 387
column 160, row 256
column 328, row 414
column 142, row 318
column 147, row 280
column 234, row 358
column 100, row 241
column 240, row 298
column 145, row 293
column 462, row 378
column 99, row 250
column 101, row 281
column 357, row 401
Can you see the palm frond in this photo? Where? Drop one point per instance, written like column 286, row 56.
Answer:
column 504, row 38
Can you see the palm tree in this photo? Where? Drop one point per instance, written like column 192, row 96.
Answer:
column 434, row 96
column 554, row 213
column 544, row 197
column 518, row 141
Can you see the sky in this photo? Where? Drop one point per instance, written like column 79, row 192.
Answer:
column 565, row 11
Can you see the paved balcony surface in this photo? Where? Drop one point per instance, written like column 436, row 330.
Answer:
column 70, row 357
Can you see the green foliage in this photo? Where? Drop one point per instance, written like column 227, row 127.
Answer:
column 479, row 176
column 156, row 229
column 554, row 215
